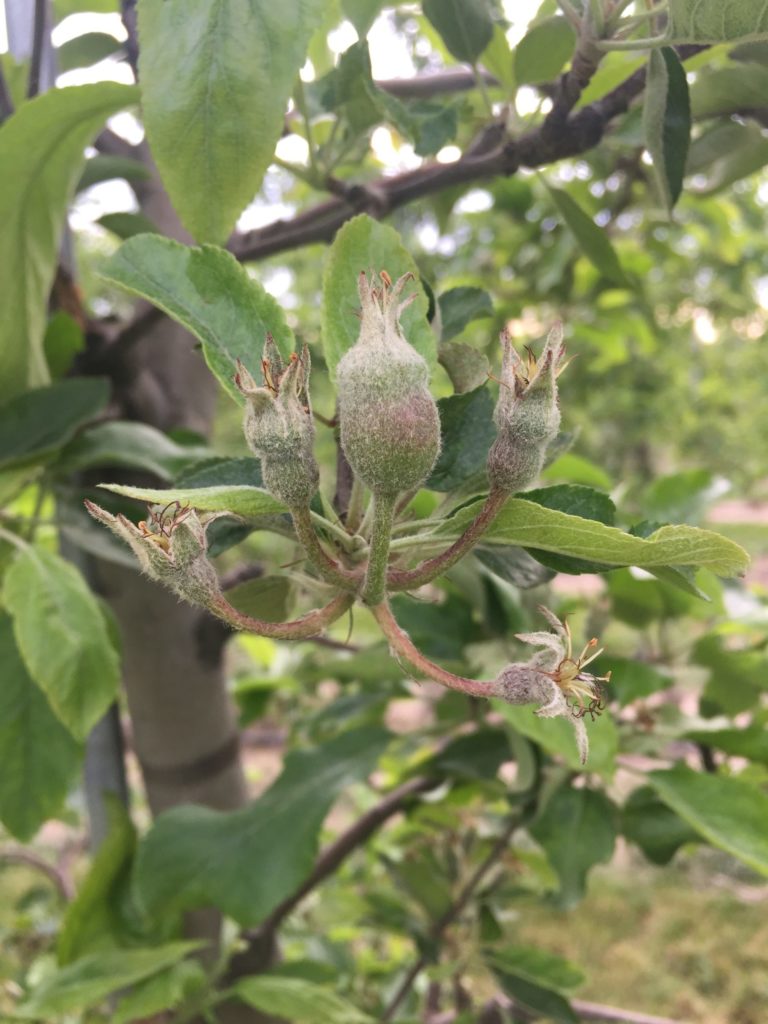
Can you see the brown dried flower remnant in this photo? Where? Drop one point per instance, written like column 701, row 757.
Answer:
column 171, row 547
column 556, row 680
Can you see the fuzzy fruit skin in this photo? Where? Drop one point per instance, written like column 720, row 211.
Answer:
column 173, row 551
column 389, row 423
column 527, row 416
column 278, row 426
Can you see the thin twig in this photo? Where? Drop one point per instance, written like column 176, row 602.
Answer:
column 435, row 83
column 579, row 133
column 38, row 43
column 599, row 1012
column 333, row 856
column 328, row 568
column 63, row 884
column 307, row 626
column 403, row 648
column 128, row 9
column 6, row 103
column 450, row 915
column 408, row 579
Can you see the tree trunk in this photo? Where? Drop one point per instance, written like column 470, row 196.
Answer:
column 183, row 721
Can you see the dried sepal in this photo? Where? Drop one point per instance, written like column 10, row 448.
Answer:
column 527, row 415
column 390, row 428
column 278, row 424
column 171, row 547
column 556, row 680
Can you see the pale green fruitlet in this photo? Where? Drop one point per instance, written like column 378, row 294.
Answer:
column 527, row 414
column 278, row 424
column 390, row 428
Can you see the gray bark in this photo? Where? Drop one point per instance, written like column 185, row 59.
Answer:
column 183, row 720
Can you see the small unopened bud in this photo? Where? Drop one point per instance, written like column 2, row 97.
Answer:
column 278, row 424
column 527, row 414
column 390, row 428
column 171, row 547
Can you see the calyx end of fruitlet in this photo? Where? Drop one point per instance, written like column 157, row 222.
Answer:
column 278, row 423
column 390, row 428
column 527, row 413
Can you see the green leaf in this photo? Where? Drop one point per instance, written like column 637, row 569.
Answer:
column 544, row 51
column 537, row 966
column 14, row 480
column 533, row 526
column 614, row 69
column 350, row 93
column 574, row 469
column 63, row 637
column 556, row 736
column 63, row 8
column 239, row 499
column 365, row 244
column 468, row 431
column 576, row 500
column 439, row 631
column 465, row 26
column 716, row 21
column 265, row 598
column 729, row 813
column 36, row 424
column 362, row 14
column 16, row 74
column 88, row 981
column 577, row 830
column 62, row 341
column 728, row 90
column 729, row 152
column 459, row 307
column 667, row 122
column 514, row 565
column 432, row 125
column 85, row 50
column 105, row 168
column 543, row 1003
column 208, row 292
column 163, row 991
column 221, row 472
column 680, row 495
column 654, row 827
column 737, row 676
column 90, row 919
column 579, row 501
column 750, row 741
column 593, row 241
column 245, row 862
column 631, row 679
column 39, row 757
column 467, row 368
column 130, row 444
column 640, row 602
column 126, row 225
column 297, row 1000
column 478, row 755
column 226, row 532
column 214, row 113
column 41, row 152
column 498, row 58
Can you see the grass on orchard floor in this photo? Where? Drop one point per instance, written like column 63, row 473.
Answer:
column 688, row 941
